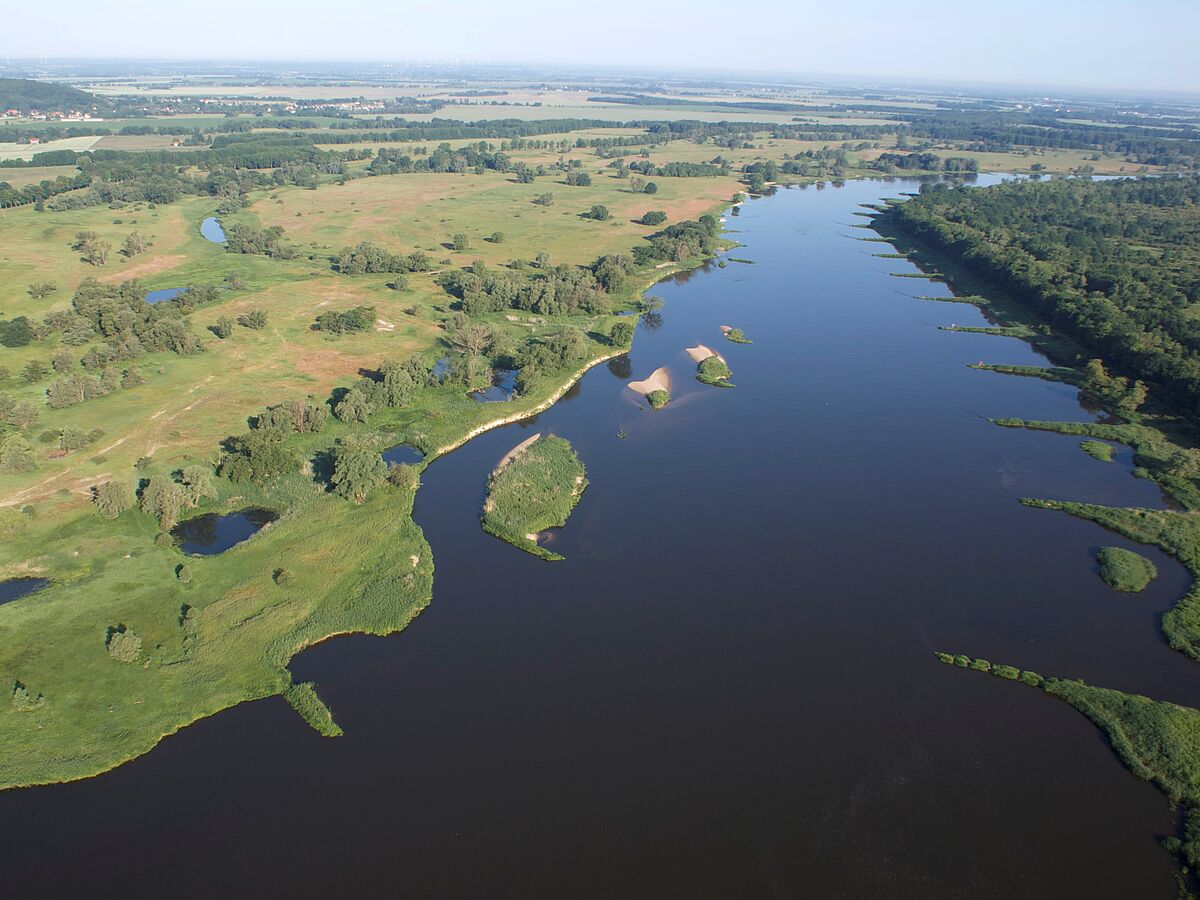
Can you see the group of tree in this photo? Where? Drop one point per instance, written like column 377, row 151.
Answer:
column 1116, row 265
column 367, row 258
column 359, row 318
column 260, row 241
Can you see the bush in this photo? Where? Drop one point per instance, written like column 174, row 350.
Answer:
column 981, row 665
column 1033, row 679
column 1124, row 570
column 1009, row 672
column 23, row 701
column 183, row 572
column 713, row 371
column 658, row 399
column 654, row 217
column 962, row 661
column 599, row 212
column 123, row 645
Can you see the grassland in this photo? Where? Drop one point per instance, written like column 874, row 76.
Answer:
column 532, row 491
column 226, row 634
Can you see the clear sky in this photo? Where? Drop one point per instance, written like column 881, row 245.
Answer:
column 1151, row 44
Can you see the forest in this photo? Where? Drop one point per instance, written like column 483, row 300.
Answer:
column 1115, row 264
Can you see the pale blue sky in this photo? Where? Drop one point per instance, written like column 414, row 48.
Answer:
column 1081, row 43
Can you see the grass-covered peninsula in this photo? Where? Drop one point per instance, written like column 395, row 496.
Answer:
column 534, row 488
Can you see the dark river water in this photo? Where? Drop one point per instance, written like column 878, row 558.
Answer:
column 728, row 688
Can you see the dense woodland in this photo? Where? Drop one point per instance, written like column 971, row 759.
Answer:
column 1115, row 264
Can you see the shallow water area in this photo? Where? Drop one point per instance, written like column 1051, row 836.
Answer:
column 210, row 533
column 211, row 229
column 16, row 588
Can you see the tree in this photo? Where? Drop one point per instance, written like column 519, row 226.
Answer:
column 461, row 242
column 223, row 327
column 96, row 253
column 398, row 384
column 542, row 260
column 599, row 212
column 35, row 371
column 654, row 217
column 497, row 237
column 637, row 184
column 16, row 455
column 621, row 334
column 41, row 289
column 163, row 499
column 17, row 333
column 358, row 467
column 354, row 406
column 546, row 199
column 197, row 483
column 63, row 361
column 112, row 498
column 651, row 188
column 123, row 644
column 135, row 243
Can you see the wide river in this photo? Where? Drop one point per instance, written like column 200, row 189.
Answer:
column 728, row 689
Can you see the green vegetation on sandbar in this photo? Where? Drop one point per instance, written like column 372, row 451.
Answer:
column 658, row 399
column 972, row 299
column 1046, row 373
column 1157, row 741
column 534, row 490
column 714, row 371
column 1017, row 331
column 737, row 336
column 928, row 276
column 1098, row 450
column 304, row 700
column 738, row 259
column 1124, row 570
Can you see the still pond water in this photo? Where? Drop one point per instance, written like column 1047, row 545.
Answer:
column 728, row 688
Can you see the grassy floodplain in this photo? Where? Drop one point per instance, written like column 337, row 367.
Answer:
column 533, row 490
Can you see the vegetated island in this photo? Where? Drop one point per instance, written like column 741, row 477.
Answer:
column 1023, row 246
column 736, row 335
column 534, row 487
column 1098, row 450
column 1124, row 570
column 712, row 368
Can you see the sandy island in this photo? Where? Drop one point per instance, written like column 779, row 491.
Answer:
column 659, row 380
column 700, row 353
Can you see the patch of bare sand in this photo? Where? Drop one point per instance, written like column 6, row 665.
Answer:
column 659, row 380
column 700, row 353
column 515, row 452
column 149, row 267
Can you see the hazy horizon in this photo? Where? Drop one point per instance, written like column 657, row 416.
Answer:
column 1097, row 45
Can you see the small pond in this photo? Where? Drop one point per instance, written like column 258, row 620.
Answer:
column 164, row 294
column 16, row 588
column 212, row 230
column 441, row 368
column 504, row 385
column 403, row 453
column 210, row 534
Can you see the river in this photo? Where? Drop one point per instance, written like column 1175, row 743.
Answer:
column 728, row 688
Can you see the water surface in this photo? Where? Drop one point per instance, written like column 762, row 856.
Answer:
column 728, row 688
column 16, row 588
column 212, row 230
column 210, row 533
